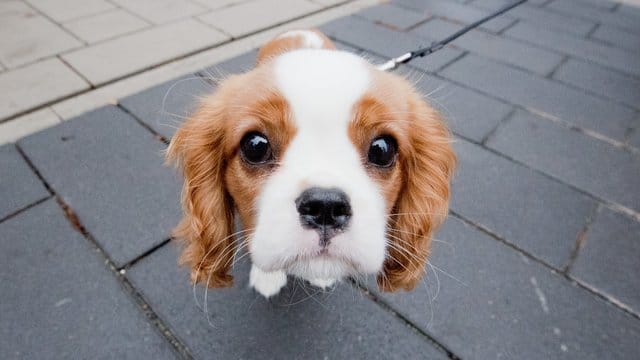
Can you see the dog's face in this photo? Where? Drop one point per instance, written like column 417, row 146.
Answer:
column 334, row 168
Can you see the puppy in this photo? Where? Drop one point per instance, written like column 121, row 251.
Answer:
column 333, row 167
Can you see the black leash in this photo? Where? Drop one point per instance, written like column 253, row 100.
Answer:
column 405, row 58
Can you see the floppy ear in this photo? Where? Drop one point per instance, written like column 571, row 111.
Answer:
column 207, row 226
column 428, row 162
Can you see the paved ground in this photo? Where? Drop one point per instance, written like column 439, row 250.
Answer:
column 539, row 258
column 59, row 58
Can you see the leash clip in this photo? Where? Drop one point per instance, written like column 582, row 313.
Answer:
column 393, row 63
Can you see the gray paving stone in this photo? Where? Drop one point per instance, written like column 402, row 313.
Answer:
column 345, row 47
column 110, row 170
column 542, row 17
column 393, row 17
column 456, row 12
column 60, row 301
column 634, row 140
column 540, row 3
column 620, row 38
column 551, row 20
column 593, row 13
column 539, row 215
column 604, row 4
column 605, row 55
column 164, row 107
column 542, row 95
column 468, row 113
column 495, row 4
column 19, row 185
column 629, row 9
column 497, row 304
column 595, row 78
column 494, row 47
column 237, row 64
column 608, row 259
column 592, row 165
column 387, row 43
column 299, row 322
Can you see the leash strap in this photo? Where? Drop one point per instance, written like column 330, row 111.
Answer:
column 437, row 45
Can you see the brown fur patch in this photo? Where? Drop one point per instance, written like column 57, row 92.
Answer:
column 216, row 180
column 281, row 45
column 417, row 187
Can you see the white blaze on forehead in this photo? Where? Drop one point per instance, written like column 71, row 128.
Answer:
column 321, row 85
column 321, row 88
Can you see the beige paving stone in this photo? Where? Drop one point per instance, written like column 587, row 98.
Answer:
column 328, row 2
column 109, row 94
column 105, row 25
column 218, row 4
column 16, row 129
column 119, row 57
column 245, row 18
column 26, row 36
column 162, row 11
column 65, row 10
column 33, row 85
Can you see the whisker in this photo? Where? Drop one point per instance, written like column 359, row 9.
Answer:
column 203, row 259
column 449, row 275
column 437, row 280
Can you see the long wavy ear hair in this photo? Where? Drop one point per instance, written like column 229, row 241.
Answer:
column 206, row 228
column 428, row 162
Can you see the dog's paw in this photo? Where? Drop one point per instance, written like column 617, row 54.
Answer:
column 267, row 283
column 323, row 283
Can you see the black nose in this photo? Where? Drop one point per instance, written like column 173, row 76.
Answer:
column 326, row 210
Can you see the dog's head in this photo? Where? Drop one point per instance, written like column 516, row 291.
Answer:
column 334, row 168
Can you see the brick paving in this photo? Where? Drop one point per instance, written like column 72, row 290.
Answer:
column 51, row 50
column 538, row 259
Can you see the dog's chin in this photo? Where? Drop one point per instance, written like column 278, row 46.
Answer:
column 322, row 266
column 316, row 262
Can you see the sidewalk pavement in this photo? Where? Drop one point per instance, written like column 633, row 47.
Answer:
column 60, row 58
column 538, row 259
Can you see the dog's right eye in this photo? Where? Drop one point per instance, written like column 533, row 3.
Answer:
column 255, row 148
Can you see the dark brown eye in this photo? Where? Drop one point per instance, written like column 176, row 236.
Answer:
column 255, row 148
column 383, row 151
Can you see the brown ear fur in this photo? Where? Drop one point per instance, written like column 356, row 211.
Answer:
column 422, row 205
column 207, row 225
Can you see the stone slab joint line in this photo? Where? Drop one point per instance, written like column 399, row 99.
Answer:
column 594, row 291
column 581, row 238
column 316, row 17
column 178, row 347
column 388, row 308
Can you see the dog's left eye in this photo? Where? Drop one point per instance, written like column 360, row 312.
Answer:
column 382, row 151
column 255, row 148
